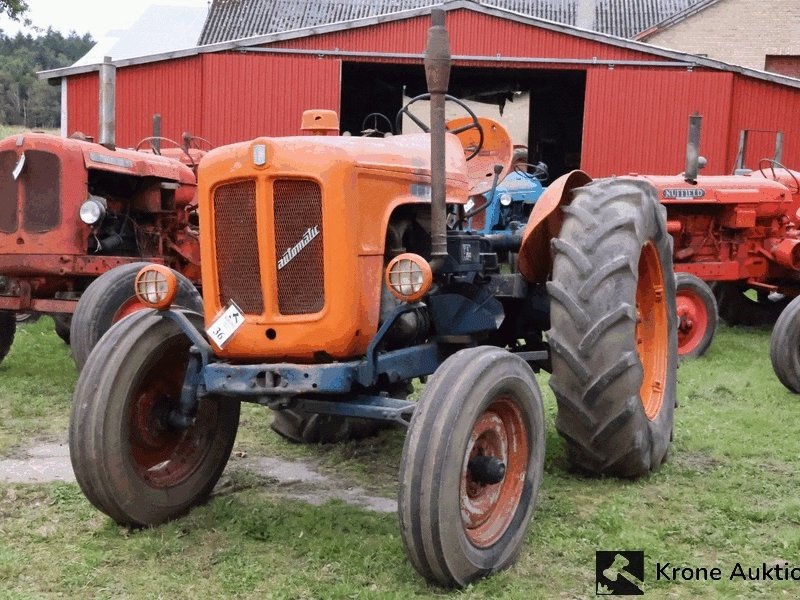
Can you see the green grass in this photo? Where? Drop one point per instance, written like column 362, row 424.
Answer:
column 36, row 382
column 728, row 494
column 7, row 130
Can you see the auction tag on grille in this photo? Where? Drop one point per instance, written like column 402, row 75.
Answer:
column 225, row 325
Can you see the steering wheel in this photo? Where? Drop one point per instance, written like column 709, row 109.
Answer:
column 193, row 141
column 376, row 117
column 774, row 163
column 153, row 138
column 539, row 170
column 474, row 124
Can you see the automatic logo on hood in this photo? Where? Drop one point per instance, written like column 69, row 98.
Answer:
column 290, row 253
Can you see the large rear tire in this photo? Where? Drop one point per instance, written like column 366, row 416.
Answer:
column 697, row 315
column 613, row 335
column 471, row 467
column 26, row 318
column 128, row 461
column 312, row 428
column 736, row 308
column 784, row 347
column 8, row 328
column 108, row 299
column 62, row 323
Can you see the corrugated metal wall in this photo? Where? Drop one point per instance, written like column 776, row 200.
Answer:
column 222, row 97
column 635, row 118
column 82, row 104
column 471, row 34
column 765, row 107
column 169, row 88
column 247, row 95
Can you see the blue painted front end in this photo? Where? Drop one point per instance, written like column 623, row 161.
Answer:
column 524, row 190
column 328, row 387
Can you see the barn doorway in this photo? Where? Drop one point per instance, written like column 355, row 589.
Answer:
column 542, row 109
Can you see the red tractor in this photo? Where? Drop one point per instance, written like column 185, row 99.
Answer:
column 784, row 349
column 77, row 219
column 336, row 270
column 738, row 231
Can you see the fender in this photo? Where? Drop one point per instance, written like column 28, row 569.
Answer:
column 535, row 259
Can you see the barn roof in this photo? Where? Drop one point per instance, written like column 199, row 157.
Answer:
column 237, row 19
column 671, row 58
column 674, row 18
column 153, row 32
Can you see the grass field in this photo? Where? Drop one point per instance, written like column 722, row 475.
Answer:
column 727, row 495
column 6, row 130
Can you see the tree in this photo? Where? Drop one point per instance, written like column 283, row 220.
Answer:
column 14, row 8
column 24, row 98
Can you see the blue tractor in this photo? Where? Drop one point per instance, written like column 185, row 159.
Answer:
column 510, row 203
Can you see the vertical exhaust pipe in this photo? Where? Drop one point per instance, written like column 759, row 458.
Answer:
column 107, row 132
column 156, row 143
column 437, row 74
column 693, row 149
column 778, row 146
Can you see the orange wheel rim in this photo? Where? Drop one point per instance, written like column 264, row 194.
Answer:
column 692, row 320
column 487, row 509
column 652, row 331
column 130, row 306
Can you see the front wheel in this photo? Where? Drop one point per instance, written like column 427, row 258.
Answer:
column 613, row 335
column 471, row 466
column 697, row 315
column 127, row 459
column 784, row 347
column 108, row 299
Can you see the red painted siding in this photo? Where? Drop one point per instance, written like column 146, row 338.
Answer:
column 82, row 104
column 765, row 106
column 636, row 120
column 169, row 88
column 247, row 95
column 472, row 34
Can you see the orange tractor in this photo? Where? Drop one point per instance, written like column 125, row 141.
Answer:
column 335, row 271
column 77, row 219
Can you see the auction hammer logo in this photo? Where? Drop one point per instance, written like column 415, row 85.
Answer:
column 619, row 572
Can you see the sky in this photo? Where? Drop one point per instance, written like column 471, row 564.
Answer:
column 96, row 17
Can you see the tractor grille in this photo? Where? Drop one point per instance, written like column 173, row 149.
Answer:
column 8, row 193
column 298, row 246
column 41, row 208
column 236, row 238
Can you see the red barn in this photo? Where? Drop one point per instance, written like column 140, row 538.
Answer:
column 607, row 104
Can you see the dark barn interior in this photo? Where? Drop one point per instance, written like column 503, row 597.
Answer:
column 555, row 119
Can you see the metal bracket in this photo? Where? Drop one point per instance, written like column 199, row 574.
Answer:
column 367, row 371
column 379, row 408
column 199, row 343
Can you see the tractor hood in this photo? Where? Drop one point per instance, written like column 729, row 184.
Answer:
column 403, row 154
column 97, row 157
column 719, row 189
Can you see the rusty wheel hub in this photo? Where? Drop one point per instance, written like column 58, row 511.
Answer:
column 493, row 472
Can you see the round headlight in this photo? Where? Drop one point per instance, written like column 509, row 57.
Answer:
column 409, row 277
column 93, row 210
column 156, row 286
column 505, row 199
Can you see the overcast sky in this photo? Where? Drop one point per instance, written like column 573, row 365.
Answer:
column 93, row 16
